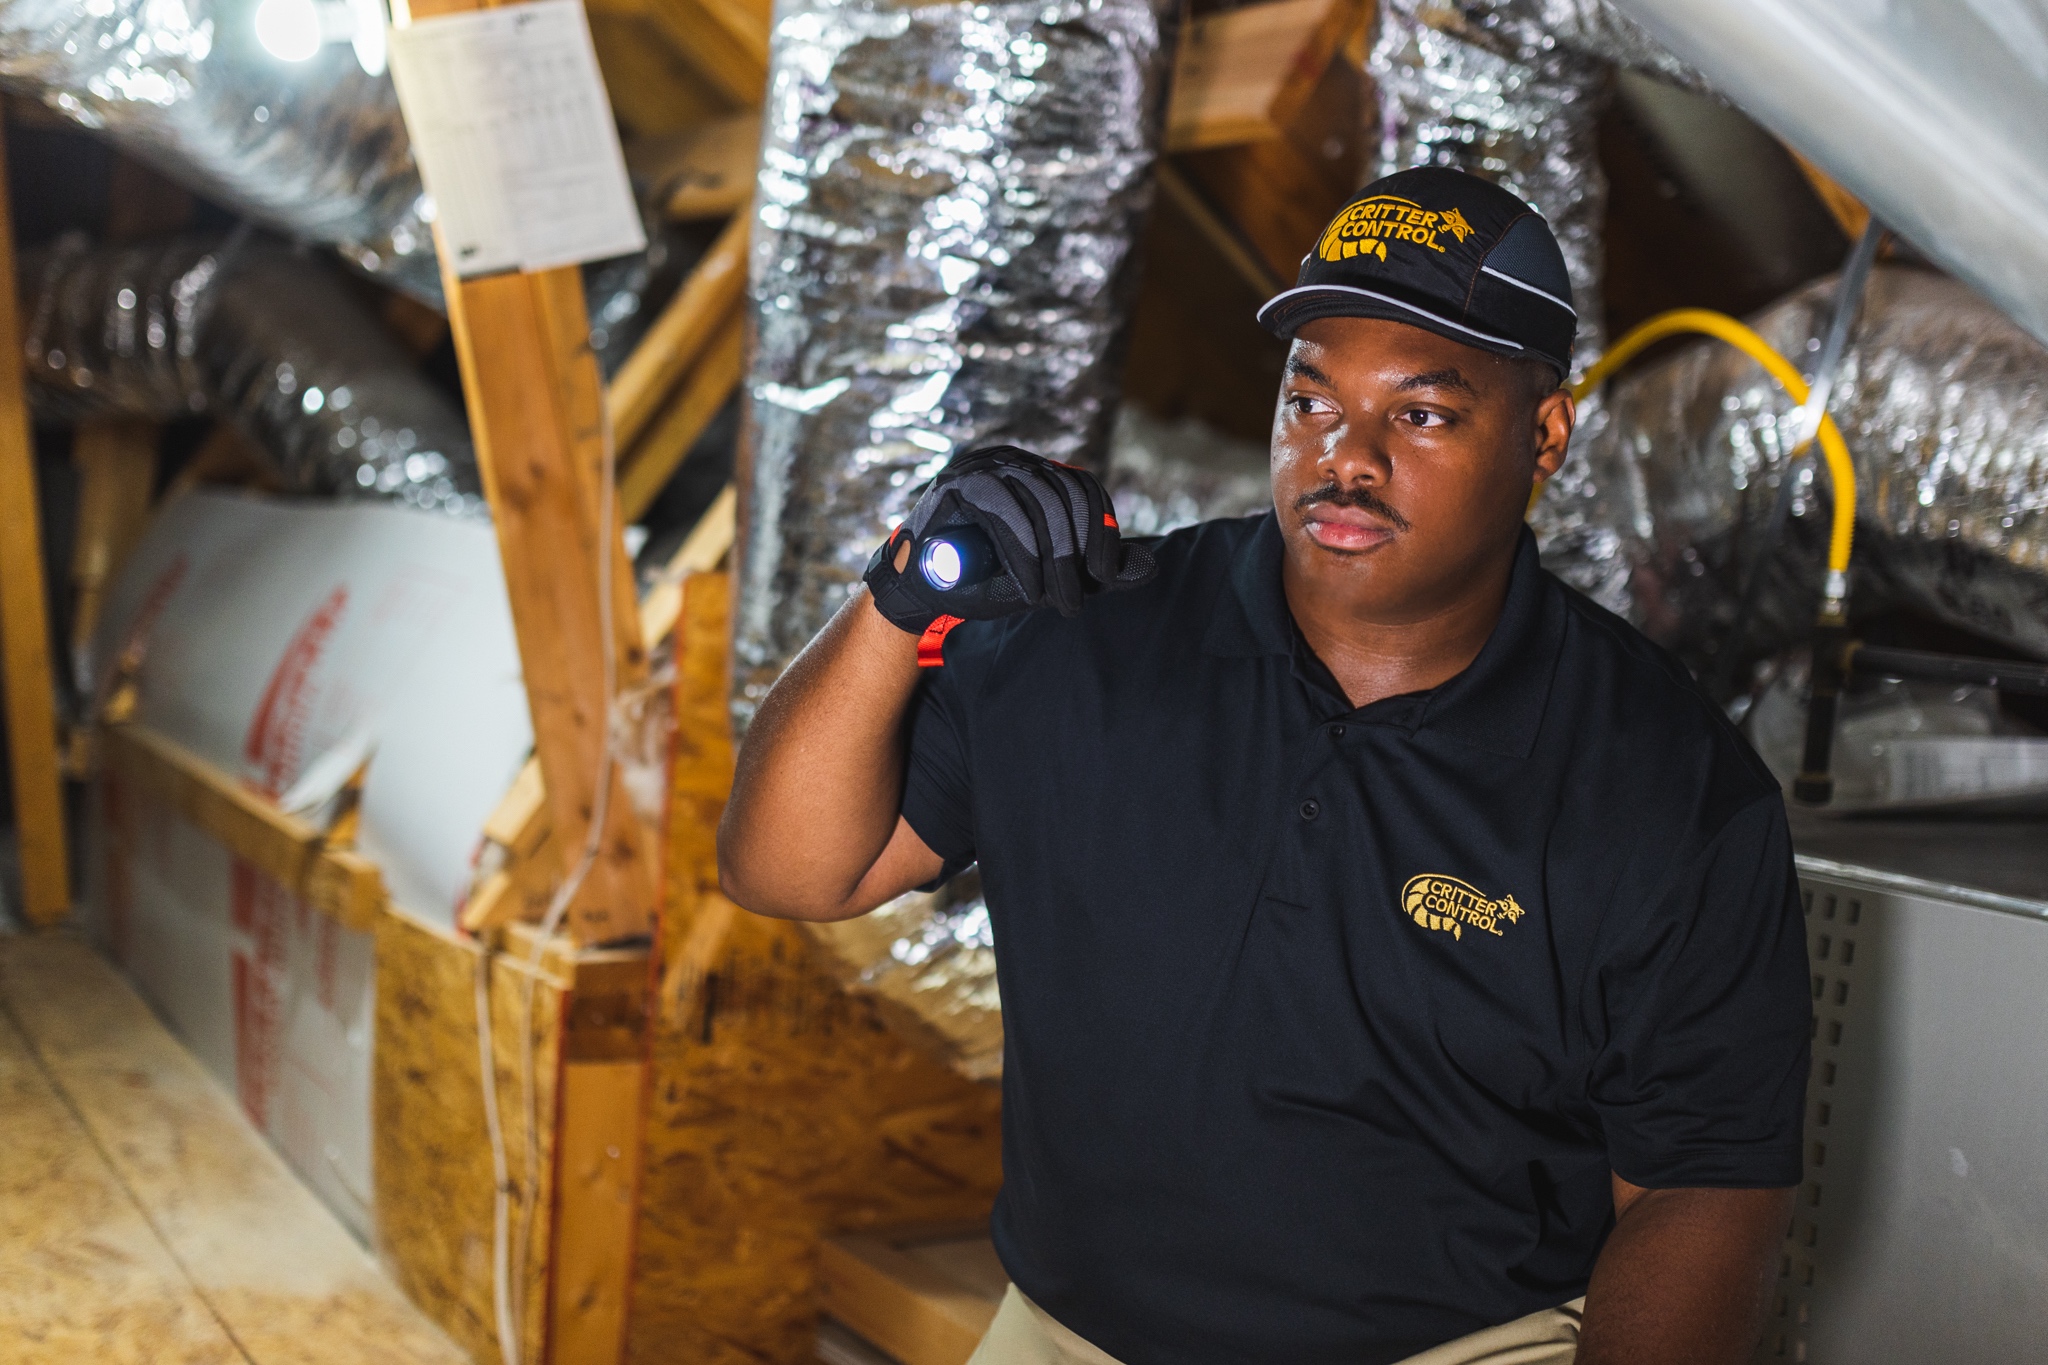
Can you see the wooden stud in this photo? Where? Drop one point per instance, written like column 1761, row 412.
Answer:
column 1846, row 209
column 535, row 414
column 116, row 460
column 726, row 40
column 521, row 888
column 669, row 440
column 902, row 1302
column 1242, row 74
column 1279, row 193
column 707, row 171
column 686, row 327
column 24, row 624
column 339, row 883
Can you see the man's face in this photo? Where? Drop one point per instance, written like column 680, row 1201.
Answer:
column 1403, row 463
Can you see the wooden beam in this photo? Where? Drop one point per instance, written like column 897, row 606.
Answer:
column 1242, row 74
column 726, row 40
column 1847, row 210
column 116, row 461
column 674, row 433
column 689, row 324
column 25, row 624
column 337, row 882
column 534, row 396
column 707, row 171
column 909, row 1308
column 517, row 889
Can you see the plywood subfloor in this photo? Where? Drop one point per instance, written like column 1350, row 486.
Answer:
column 141, row 1218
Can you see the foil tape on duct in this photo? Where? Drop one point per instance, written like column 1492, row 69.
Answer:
column 1943, row 401
column 1511, row 91
column 929, row 959
column 252, row 332
column 315, row 149
column 947, row 199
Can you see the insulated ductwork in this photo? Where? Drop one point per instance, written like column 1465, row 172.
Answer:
column 314, row 149
column 948, row 197
column 252, row 332
column 1511, row 90
column 1943, row 401
column 1933, row 112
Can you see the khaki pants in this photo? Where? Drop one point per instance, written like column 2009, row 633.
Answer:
column 1024, row 1334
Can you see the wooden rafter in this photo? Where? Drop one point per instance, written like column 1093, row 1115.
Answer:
column 25, row 626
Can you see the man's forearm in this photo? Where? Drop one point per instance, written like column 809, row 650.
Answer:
column 1684, row 1277
column 819, row 778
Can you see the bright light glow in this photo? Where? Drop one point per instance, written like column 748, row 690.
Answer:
column 369, row 36
column 288, row 29
column 941, row 564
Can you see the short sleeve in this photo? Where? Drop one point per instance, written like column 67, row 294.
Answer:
column 1702, row 1078
column 938, row 799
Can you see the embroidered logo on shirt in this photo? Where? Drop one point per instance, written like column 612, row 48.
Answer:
column 1453, row 906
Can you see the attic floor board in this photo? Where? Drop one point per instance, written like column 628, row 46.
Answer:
column 142, row 1218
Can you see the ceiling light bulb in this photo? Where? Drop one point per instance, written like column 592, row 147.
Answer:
column 288, row 29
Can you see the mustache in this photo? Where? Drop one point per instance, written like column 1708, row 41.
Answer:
column 1364, row 499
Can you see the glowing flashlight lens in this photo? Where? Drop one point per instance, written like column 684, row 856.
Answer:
column 941, row 564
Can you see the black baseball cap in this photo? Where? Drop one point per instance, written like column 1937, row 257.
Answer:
column 1445, row 251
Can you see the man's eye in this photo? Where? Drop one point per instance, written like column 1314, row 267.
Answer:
column 1304, row 404
column 1422, row 417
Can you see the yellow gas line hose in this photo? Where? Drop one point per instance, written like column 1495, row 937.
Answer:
column 1841, row 472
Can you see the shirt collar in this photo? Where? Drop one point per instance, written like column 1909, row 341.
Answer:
column 1496, row 703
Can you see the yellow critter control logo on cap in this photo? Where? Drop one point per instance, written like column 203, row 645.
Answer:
column 1368, row 225
column 1454, row 906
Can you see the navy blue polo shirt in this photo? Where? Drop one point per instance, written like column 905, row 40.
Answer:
column 1324, row 1025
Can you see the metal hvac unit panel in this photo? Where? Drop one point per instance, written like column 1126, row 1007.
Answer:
column 1921, row 1232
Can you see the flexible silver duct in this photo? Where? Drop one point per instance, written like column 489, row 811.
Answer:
column 1943, row 401
column 252, row 332
column 313, row 149
column 1511, row 90
column 947, row 199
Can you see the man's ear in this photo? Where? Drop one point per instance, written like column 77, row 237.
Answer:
column 1555, row 416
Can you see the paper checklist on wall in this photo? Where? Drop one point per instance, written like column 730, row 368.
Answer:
column 514, row 137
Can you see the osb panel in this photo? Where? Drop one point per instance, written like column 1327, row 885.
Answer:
column 433, row 1154
column 86, row 1278
column 783, row 1109
column 270, row 1265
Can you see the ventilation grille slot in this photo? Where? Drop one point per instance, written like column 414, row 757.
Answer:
column 1834, row 923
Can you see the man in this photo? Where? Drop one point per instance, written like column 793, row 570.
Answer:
column 1394, row 946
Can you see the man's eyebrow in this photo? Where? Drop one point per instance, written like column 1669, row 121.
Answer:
column 1446, row 378
column 1298, row 366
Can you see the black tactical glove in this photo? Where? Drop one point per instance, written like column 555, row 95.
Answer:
column 1050, row 526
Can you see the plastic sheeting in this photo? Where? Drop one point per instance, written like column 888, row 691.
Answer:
column 255, row 333
column 1933, row 112
column 1511, row 90
column 314, row 149
column 947, row 199
column 1943, row 401
column 270, row 635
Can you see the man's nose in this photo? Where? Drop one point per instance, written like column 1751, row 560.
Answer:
column 1353, row 455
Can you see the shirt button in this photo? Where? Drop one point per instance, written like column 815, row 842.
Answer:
column 1336, row 732
column 1310, row 810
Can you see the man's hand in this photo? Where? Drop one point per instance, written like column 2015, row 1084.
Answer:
column 1685, row 1276
column 1052, row 527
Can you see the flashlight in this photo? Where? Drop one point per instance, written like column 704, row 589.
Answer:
column 957, row 557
